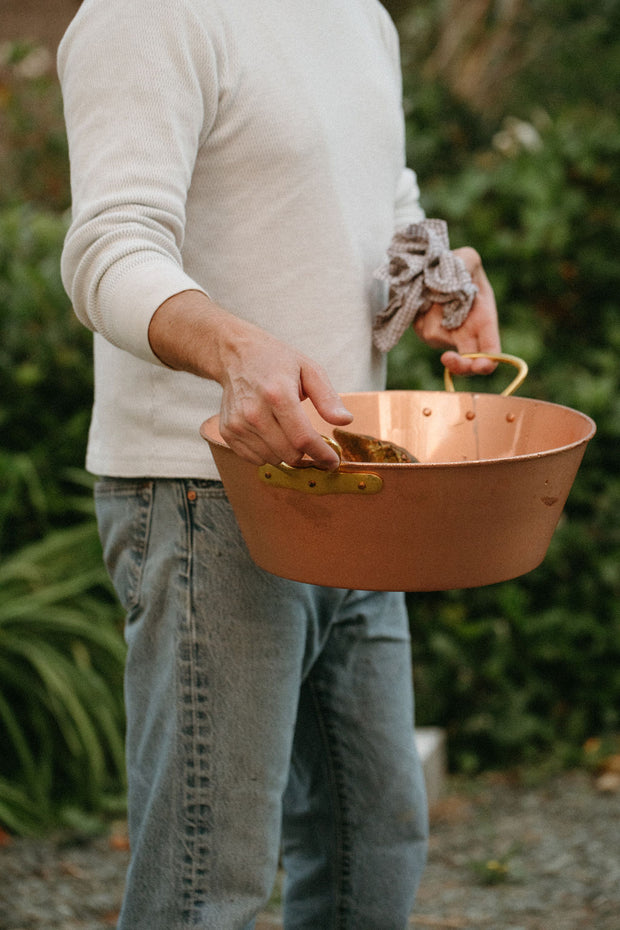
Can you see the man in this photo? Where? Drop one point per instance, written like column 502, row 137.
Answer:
column 237, row 175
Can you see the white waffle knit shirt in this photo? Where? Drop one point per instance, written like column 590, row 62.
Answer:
column 253, row 149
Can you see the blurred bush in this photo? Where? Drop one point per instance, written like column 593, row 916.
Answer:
column 46, row 383
column 528, row 670
column 61, row 645
column 61, row 683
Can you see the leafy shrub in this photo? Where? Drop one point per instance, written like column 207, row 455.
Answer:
column 61, row 668
column 518, row 670
column 45, row 377
column 61, row 647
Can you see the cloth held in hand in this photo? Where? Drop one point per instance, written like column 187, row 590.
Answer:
column 421, row 271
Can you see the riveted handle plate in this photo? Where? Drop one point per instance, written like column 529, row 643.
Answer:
column 316, row 481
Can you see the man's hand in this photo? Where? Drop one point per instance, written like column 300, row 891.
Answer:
column 261, row 417
column 264, row 381
column 479, row 332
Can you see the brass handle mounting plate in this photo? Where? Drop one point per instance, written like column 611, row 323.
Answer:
column 318, row 481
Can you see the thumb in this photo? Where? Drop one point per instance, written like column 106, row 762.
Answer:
column 317, row 387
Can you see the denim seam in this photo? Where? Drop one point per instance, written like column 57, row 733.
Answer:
column 147, row 494
column 195, row 737
column 342, row 820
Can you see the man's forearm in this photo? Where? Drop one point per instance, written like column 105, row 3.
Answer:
column 189, row 332
column 263, row 379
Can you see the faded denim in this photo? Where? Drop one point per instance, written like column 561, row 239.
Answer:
column 264, row 717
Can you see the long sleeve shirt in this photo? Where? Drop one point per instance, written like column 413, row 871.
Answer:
column 252, row 149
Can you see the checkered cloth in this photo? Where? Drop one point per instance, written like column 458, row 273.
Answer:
column 421, row 270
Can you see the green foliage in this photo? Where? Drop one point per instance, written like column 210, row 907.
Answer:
column 528, row 668
column 61, row 668
column 579, row 59
column 543, row 204
column 506, row 58
column 45, row 377
column 61, row 647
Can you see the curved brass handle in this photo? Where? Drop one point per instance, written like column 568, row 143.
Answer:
column 335, row 445
column 292, row 470
column 313, row 480
column 509, row 359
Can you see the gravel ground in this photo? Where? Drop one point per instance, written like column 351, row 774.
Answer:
column 503, row 856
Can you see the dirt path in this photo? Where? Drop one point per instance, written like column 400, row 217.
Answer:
column 503, row 856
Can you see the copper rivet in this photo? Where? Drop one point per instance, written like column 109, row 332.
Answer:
column 191, row 495
column 312, row 484
column 470, row 415
column 427, row 411
column 362, row 485
column 510, row 417
column 267, row 474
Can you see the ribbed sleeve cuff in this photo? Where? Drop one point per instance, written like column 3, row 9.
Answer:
column 128, row 302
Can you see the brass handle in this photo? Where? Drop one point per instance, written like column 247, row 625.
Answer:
column 317, row 481
column 509, row 359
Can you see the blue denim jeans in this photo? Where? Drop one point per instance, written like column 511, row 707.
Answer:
column 265, row 718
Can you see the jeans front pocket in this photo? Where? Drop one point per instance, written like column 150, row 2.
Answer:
column 123, row 507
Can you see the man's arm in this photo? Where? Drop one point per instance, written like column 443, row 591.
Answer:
column 264, row 380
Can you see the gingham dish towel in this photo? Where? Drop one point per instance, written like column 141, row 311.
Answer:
column 421, row 270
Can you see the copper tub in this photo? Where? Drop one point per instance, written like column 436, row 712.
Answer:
column 479, row 507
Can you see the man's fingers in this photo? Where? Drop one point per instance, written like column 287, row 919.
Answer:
column 286, row 437
column 318, row 389
column 262, row 416
column 458, row 365
column 303, row 440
